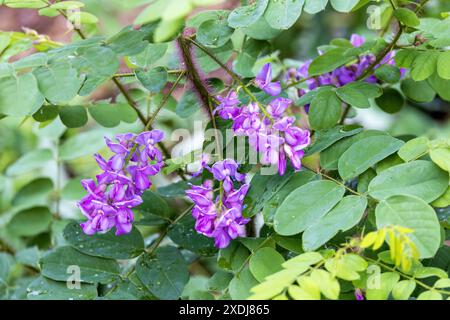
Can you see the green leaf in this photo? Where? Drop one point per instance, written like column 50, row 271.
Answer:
column 419, row 178
column 73, row 190
column 29, row 257
column 148, row 58
column 407, row 17
column 414, row 213
column 346, row 267
column 188, row 105
column 427, row 272
column 241, row 284
column 443, row 65
column 154, row 206
column 30, row 161
column 164, row 273
column 151, row 13
column 329, row 157
column 326, row 138
column 414, row 149
column 6, row 263
column 388, row 162
column 387, row 282
column 223, row 54
column 246, row 59
column 365, row 153
column 419, row 91
column 110, row 115
column 82, row 17
column 329, row 61
column 99, row 63
column 391, row 101
column 343, row 5
column 315, row 6
column 440, row 86
column 25, row 3
column 265, row 262
column 430, row 295
column 58, row 82
column 73, row 116
column 214, row 33
column 128, row 42
column 306, row 205
column 219, row 281
column 267, row 192
column 202, row 16
column 153, row 80
column 261, row 30
column 56, row 266
column 46, row 113
column 31, row 61
column 232, row 257
column 106, row 245
column 441, row 156
column 345, row 215
column 424, row 65
column 246, row 15
column 46, row 289
column 282, row 14
column 388, row 73
column 82, row 144
column 19, row 95
column 183, row 234
column 403, row 289
column 325, row 110
column 67, row 5
column 328, row 285
column 357, row 94
column 30, row 222
column 167, row 30
column 404, row 58
column 35, row 192
column 442, row 283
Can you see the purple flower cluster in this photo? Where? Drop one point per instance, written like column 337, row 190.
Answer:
column 342, row 75
column 124, row 178
column 219, row 216
column 270, row 131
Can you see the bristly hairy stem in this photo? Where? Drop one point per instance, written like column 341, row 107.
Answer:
column 124, row 92
column 194, row 75
column 198, row 83
column 233, row 75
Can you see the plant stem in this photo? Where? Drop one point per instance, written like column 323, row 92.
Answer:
column 234, row 76
column 201, row 89
column 293, row 84
column 132, row 74
column 420, row 283
column 163, row 102
column 163, row 234
column 129, row 99
column 381, row 56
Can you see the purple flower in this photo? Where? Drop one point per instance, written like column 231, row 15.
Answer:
column 219, row 216
column 278, row 106
column 124, row 178
column 228, row 107
column 356, row 40
column 358, row 294
column 226, row 171
column 264, row 81
column 228, row 227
